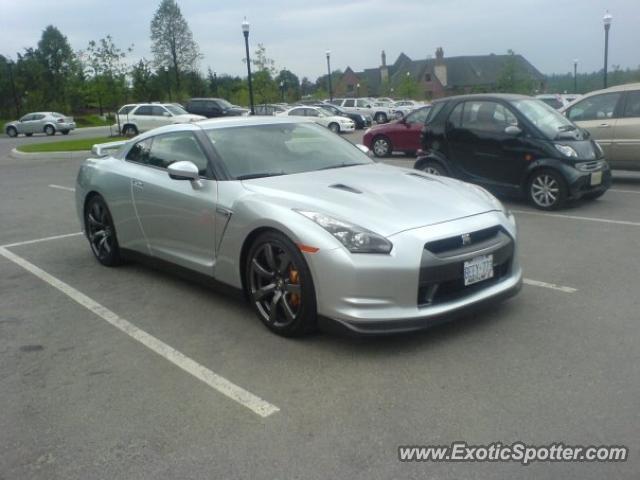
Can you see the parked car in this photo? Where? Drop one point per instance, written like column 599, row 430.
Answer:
column 306, row 224
column 335, row 123
column 402, row 107
column 40, row 122
column 269, row 109
column 137, row 118
column 364, row 106
column 612, row 117
column 214, row 107
column 513, row 144
column 401, row 135
column 361, row 120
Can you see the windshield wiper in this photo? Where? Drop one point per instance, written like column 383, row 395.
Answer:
column 249, row 176
column 340, row 165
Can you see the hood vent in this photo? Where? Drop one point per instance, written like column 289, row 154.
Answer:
column 419, row 175
column 346, row 188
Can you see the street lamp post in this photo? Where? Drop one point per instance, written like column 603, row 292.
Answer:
column 575, row 75
column 358, row 90
column 328, row 53
column 166, row 75
column 282, row 89
column 607, row 25
column 245, row 31
column 215, row 83
column 13, row 87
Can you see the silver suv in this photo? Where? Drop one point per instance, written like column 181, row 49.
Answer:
column 379, row 113
column 137, row 118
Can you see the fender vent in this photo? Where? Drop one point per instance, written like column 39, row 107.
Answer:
column 419, row 175
column 346, row 188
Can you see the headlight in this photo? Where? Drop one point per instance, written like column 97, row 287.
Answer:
column 356, row 239
column 362, row 117
column 566, row 150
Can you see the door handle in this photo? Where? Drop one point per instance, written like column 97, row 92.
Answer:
column 137, row 184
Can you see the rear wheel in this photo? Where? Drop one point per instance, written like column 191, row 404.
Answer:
column 547, row 190
column 334, row 127
column 12, row 132
column 280, row 286
column 49, row 130
column 381, row 117
column 101, row 232
column 381, row 146
column 432, row 168
column 129, row 131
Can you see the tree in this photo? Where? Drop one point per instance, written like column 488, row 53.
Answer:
column 512, row 79
column 172, row 41
column 106, row 70
column 408, row 87
column 146, row 85
column 289, row 85
column 264, row 86
column 59, row 62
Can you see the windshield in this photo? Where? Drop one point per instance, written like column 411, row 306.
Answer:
column 224, row 104
column 282, row 149
column 552, row 124
column 176, row 110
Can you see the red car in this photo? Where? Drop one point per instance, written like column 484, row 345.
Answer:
column 398, row 136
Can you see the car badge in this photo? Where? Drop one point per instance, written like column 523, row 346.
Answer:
column 466, row 239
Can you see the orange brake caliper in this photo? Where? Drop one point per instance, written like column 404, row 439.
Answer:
column 295, row 279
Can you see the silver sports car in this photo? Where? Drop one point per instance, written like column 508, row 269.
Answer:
column 303, row 221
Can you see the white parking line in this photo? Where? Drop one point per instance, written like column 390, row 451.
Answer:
column 60, row 187
column 623, row 191
column 38, row 240
column 552, row 286
column 215, row 381
column 575, row 217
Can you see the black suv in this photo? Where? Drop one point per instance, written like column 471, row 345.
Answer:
column 214, row 107
column 513, row 144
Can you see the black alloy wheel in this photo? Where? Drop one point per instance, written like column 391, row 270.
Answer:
column 280, row 286
column 101, row 232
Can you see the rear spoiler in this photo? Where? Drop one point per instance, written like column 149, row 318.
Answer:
column 103, row 149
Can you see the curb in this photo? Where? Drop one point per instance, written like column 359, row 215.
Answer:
column 80, row 154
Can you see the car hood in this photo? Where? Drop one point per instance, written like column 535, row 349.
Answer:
column 378, row 197
column 187, row 118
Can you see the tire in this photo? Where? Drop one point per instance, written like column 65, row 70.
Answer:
column 101, row 232
column 334, row 127
column 432, row 168
column 28, row 134
column 381, row 117
column 65, row 132
column 593, row 195
column 279, row 286
column 129, row 131
column 49, row 130
column 12, row 132
column 381, row 146
column 547, row 190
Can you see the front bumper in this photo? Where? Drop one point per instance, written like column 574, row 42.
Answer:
column 385, row 293
column 347, row 127
column 580, row 182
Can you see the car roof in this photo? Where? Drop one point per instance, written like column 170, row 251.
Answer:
column 484, row 96
column 616, row 88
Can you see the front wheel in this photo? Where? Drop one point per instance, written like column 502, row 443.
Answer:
column 547, row 190
column 101, row 232
column 432, row 168
column 12, row 132
column 49, row 130
column 334, row 127
column 280, row 287
column 381, row 146
column 380, row 118
column 129, row 131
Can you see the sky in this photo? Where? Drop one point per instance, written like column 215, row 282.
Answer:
column 296, row 34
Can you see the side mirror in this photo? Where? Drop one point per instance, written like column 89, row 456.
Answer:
column 369, row 106
column 183, row 170
column 513, row 130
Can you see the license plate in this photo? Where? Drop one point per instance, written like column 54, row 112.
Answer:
column 478, row 269
column 596, row 178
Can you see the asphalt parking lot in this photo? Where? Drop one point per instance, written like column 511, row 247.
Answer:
column 136, row 373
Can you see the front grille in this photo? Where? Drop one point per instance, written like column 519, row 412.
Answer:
column 442, row 278
column 590, row 166
column 448, row 246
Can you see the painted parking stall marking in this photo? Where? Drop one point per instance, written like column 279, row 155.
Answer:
column 576, row 217
column 551, row 286
column 62, row 187
column 236, row 393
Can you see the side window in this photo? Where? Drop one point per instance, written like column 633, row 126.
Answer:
column 486, row 116
column 139, row 153
column 297, row 112
column 434, row 111
column 597, row 107
column 126, row 109
column 310, row 112
column 158, row 111
column 26, row 118
column 455, row 117
column 176, row 147
column 38, row 117
column 349, row 103
column 143, row 110
column 632, row 109
column 361, row 104
column 418, row 116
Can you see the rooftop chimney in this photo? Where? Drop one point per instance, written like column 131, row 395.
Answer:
column 384, row 59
